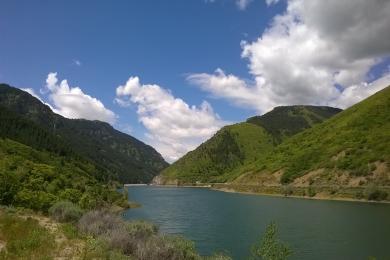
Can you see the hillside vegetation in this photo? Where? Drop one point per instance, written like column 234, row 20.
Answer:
column 352, row 148
column 36, row 179
column 285, row 121
column 234, row 146
column 120, row 156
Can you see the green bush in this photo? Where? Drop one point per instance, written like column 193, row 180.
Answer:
column 311, row 192
column 138, row 239
column 37, row 200
column 166, row 247
column 377, row 195
column 270, row 247
column 71, row 195
column 65, row 211
column 141, row 229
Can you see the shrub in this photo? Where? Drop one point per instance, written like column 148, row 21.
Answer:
column 37, row 200
column 65, row 211
column 311, row 192
column 88, row 201
column 270, row 247
column 119, row 239
column 71, row 195
column 141, row 229
column 98, row 222
column 166, row 247
column 373, row 193
column 377, row 195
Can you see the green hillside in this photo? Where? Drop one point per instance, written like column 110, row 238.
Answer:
column 37, row 179
column 218, row 159
column 286, row 121
column 352, row 148
column 229, row 148
column 121, row 156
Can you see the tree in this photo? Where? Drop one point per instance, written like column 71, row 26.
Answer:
column 270, row 247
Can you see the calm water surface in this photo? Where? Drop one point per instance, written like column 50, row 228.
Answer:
column 228, row 222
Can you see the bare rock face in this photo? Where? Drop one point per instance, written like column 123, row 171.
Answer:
column 157, row 180
column 161, row 180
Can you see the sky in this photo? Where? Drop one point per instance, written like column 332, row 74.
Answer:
column 171, row 73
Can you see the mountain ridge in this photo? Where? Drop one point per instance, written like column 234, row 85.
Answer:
column 125, row 157
column 233, row 146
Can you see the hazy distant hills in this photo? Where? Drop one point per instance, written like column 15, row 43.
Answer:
column 234, row 146
column 118, row 156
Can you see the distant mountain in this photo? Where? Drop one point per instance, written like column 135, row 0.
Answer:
column 286, row 121
column 219, row 158
column 350, row 149
column 119, row 155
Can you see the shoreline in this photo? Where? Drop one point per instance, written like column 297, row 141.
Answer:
column 227, row 190
column 231, row 190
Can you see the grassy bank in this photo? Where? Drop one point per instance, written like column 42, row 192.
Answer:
column 70, row 233
column 361, row 194
column 343, row 193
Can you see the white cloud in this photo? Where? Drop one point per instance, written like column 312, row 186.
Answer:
column 174, row 127
column 358, row 92
column 271, row 2
column 77, row 62
column 72, row 102
column 242, row 4
column 307, row 54
column 32, row 93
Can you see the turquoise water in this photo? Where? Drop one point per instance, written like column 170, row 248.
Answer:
column 219, row 221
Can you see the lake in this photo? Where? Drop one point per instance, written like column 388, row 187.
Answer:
column 229, row 222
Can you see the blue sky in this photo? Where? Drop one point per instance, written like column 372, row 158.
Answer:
column 178, row 45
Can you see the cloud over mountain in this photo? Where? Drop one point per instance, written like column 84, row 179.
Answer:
column 174, row 127
column 72, row 102
column 317, row 52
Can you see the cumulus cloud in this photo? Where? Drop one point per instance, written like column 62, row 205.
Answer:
column 72, row 102
column 32, row 93
column 358, row 92
column 315, row 53
column 174, row 127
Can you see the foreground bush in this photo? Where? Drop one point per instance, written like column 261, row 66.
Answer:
column 99, row 222
column 166, row 247
column 270, row 247
column 138, row 239
column 65, row 211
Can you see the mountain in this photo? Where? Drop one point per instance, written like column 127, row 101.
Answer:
column 37, row 179
column 120, row 156
column 218, row 159
column 285, row 121
column 350, row 149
